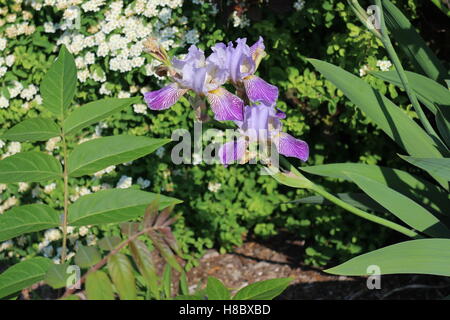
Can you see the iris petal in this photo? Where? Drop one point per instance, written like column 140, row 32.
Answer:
column 259, row 90
column 291, row 147
column 232, row 151
column 225, row 105
column 164, row 98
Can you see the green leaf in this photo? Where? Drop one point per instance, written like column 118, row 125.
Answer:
column 184, row 289
column 109, row 243
column 412, row 44
column 99, row 287
column 390, row 118
column 59, row 84
column 415, row 216
column 167, row 281
column 263, row 290
column 427, row 194
column 443, row 124
column 97, row 154
column 216, row 290
column 57, row 276
column 87, row 256
column 121, row 273
column 424, row 256
column 435, row 166
column 94, row 112
column 35, row 129
column 358, row 200
column 425, row 88
column 112, row 206
column 27, row 218
column 142, row 258
column 30, row 166
column 23, row 275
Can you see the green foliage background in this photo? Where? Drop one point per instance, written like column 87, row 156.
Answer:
column 247, row 203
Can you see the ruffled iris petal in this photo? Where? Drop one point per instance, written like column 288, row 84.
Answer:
column 259, row 90
column 225, row 105
column 232, row 152
column 291, row 147
column 164, row 98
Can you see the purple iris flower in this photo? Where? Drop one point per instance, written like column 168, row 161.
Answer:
column 242, row 62
column 262, row 123
column 203, row 76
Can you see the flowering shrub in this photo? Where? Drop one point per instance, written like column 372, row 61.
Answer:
column 107, row 43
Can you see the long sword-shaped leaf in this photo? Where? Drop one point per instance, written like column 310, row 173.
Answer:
column 424, row 256
column 93, row 112
column 30, row 166
column 35, row 129
column 116, row 205
column 23, row 275
column 97, row 154
column 401, row 206
column 426, row 89
column 27, row 218
column 59, row 84
column 435, row 166
column 391, row 119
column 418, row 189
column 412, row 44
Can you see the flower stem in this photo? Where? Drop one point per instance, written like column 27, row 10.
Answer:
column 402, row 75
column 66, row 200
column 365, row 215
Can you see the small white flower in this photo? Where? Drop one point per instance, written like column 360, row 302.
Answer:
column 384, row 65
column 2, row 144
column 6, row 245
column 23, row 186
column 140, row 108
column 83, row 231
column 52, row 235
column 51, row 144
column 363, row 70
column 160, row 152
column 2, row 44
column 124, row 182
column 144, row 183
column 4, row 103
column 49, row 188
column 14, row 147
column 214, row 187
column 299, row 5
column 9, row 60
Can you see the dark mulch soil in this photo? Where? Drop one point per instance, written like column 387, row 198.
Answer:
column 255, row 261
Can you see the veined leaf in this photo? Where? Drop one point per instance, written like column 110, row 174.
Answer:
column 112, row 206
column 99, row 287
column 94, row 112
column 425, row 88
column 142, row 258
column 263, row 290
column 121, row 273
column 23, row 275
column 216, row 290
column 97, row 154
column 87, row 256
column 109, row 243
column 412, row 44
column 424, row 256
column 27, row 218
column 35, row 129
column 59, row 84
column 30, row 166
column 435, row 166
column 57, row 276
column 382, row 111
column 418, row 189
column 415, row 215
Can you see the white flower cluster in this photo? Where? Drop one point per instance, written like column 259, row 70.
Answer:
column 214, row 186
column 13, row 148
column 240, row 20
column 299, row 5
column 10, row 202
column 384, row 65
